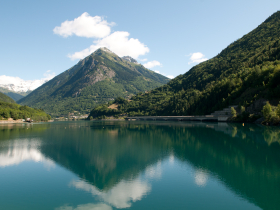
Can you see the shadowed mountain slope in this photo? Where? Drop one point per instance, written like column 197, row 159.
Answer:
column 5, row 98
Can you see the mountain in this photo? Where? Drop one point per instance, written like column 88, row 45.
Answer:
column 246, row 71
column 5, row 98
column 14, row 95
column 100, row 77
column 17, row 88
column 18, row 85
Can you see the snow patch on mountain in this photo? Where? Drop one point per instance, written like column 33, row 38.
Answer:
column 19, row 85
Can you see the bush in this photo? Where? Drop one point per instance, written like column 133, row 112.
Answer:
column 242, row 109
column 233, row 111
column 267, row 111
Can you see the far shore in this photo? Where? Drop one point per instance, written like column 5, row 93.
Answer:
column 11, row 121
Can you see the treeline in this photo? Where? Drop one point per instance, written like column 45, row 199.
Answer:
column 271, row 114
column 247, row 70
column 15, row 111
column 102, row 111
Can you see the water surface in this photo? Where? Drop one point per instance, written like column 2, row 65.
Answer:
column 105, row 165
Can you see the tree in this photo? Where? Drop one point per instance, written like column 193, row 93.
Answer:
column 233, row 111
column 6, row 113
column 242, row 109
column 278, row 110
column 267, row 110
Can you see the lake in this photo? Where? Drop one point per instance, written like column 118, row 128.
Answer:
column 105, row 165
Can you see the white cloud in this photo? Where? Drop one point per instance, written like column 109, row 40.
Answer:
column 99, row 29
column 143, row 60
column 152, row 64
column 197, row 57
column 84, row 26
column 168, row 76
column 119, row 43
column 19, row 85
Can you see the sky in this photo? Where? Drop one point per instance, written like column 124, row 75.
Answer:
column 41, row 39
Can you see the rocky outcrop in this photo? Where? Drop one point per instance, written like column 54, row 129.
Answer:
column 130, row 59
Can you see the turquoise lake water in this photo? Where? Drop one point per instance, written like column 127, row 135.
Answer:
column 105, row 165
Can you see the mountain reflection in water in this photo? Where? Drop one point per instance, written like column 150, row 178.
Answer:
column 110, row 158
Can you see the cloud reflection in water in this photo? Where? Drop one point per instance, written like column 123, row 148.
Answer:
column 121, row 195
column 17, row 151
column 89, row 206
column 201, row 177
column 154, row 172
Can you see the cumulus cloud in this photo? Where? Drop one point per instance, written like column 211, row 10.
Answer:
column 84, row 26
column 100, row 30
column 152, row 64
column 197, row 57
column 119, row 43
column 19, row 85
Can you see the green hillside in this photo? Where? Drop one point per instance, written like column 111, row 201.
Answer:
column 14, row 95
column 9, row 109
column 97, row 79
column 5, row 98
column 16, row 111
column 247, row 70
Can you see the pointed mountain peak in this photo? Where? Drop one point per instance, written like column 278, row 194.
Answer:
column 105, row 50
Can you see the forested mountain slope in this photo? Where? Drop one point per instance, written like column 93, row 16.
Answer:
column 5, row 98
column 100, row 77
column 248, row 69
column 9, row 109
column 12, row 94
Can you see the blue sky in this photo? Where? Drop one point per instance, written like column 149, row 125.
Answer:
column 164, row 33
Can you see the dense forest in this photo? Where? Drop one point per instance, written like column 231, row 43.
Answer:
column 9, row 109
column 99, row 78
column 247, row 70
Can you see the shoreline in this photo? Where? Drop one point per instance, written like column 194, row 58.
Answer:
column 19, row 121
column 11, row 121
